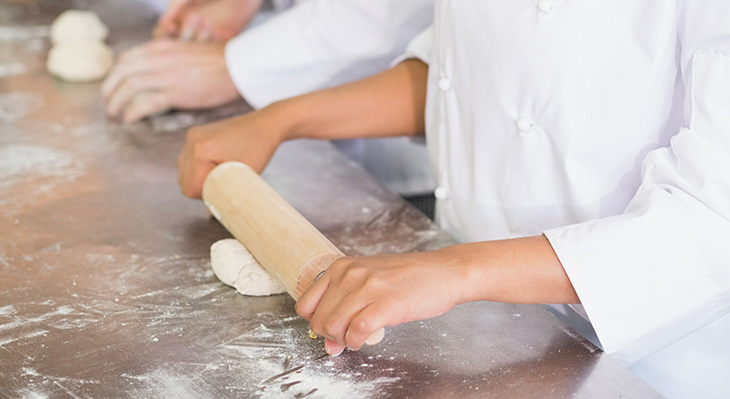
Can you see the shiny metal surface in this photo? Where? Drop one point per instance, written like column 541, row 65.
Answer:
column 105, row 281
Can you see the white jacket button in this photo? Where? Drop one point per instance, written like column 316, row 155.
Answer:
column 444, row 84
column 524, row 125
column 546, row 6
column 441, row 193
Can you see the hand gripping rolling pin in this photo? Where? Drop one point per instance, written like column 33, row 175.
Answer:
column 280, row 238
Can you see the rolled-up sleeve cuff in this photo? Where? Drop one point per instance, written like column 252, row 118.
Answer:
column 641, row 284
column 419, row 48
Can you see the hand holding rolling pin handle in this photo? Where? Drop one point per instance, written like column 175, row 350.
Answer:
column 374, row 339
column 280, row 238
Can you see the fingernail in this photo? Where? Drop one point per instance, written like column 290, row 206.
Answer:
column 333, row 348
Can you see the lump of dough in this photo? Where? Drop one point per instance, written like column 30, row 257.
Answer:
column 75, row 26
column 80, row 62
column 235, row 266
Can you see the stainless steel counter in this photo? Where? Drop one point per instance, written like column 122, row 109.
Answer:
column 105, row 281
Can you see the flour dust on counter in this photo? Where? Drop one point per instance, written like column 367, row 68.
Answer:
column 23, row 33
column 290, row 364
column 30, row 172
column 16, row 105
column 174, row 122
column 11, row 69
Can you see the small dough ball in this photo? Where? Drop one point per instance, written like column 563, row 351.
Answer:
column 75, row 26
column 235, row 266
column 80, row 62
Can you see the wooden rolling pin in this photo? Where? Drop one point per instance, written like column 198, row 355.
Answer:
column 280, row 238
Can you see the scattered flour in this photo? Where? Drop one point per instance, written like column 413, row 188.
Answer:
column 32, row 395
column 30, row 371
column 19, row 159
column 15, row 105
column 12, row 69
column 7, row 310
column 173, row 122
column 28, row 172
column 327, row 386
column 23, row 33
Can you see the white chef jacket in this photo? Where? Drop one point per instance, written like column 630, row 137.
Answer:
column 325, row 43
column 604, row 125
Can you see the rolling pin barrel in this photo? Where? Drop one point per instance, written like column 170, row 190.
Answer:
column 280, row 238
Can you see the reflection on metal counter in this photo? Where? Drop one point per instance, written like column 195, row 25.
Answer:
column 106, row 288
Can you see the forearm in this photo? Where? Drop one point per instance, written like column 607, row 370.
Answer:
column 356, row 296
column 521, row 270
column 390, row 103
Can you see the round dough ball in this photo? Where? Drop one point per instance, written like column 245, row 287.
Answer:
column 75, row 26
column 80, row 62
column 235, row 266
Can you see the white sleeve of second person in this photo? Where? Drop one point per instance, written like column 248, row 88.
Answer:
column 661, row 270
column 322, row 43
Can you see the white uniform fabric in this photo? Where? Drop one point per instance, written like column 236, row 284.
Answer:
column 605, row 125
column 324, row 43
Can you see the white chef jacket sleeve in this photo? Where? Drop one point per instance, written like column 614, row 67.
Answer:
column 279, row 5
column 322, row 43
column 419, row 48
column 661, row 270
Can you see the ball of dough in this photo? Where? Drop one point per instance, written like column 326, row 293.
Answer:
column 235, row 266
column 80, row 62
column 74, row 26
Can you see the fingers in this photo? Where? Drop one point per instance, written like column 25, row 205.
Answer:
column 366, row 327
column 167, row 25
column 146, row 104
column 137, row 87
column 193, row 165
column 376, row 337
column 351, row 328
column 189, row 28
column 132, row 62
column 191, row 184
column 308, row 302
column 195, row 29
column 141, row 83
column 333, row 348
column 174, row 9
column 166, row 29
column 205, row 34
column 251, row 139
column 180, row 22
column 346, row 317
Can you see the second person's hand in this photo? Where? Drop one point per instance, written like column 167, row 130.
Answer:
column 206, row 20
column 165, row 74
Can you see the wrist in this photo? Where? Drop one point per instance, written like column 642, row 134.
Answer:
column 289, row 118
column 467, row 263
